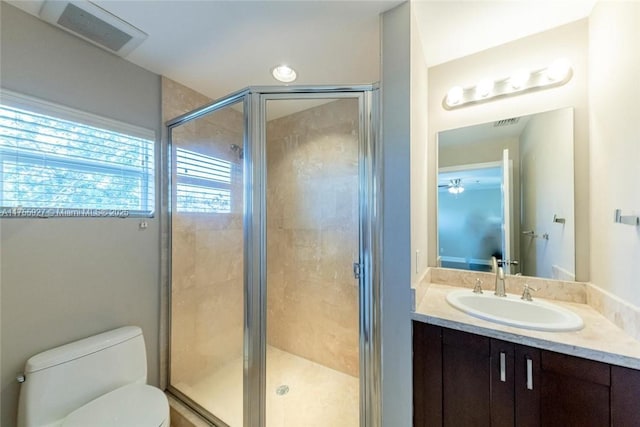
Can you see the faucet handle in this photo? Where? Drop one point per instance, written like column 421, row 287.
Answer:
column 477, row 289
column 526, row 293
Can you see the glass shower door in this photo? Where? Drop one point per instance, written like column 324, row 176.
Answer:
column 273, row 302
column 207, row 263
column 312, row 232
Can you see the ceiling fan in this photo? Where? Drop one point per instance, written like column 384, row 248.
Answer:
column 454, row 186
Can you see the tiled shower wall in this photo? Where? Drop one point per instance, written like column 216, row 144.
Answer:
column 312, row 205
column 312, row 234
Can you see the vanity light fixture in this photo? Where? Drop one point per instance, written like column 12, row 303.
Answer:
column 558, row 70
column 484, row 88
column 284, row 73
column 556, row 74
column 519, row 79
column 454, row 96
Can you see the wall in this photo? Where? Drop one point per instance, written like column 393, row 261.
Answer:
column 67, row 278
column 477, row 151
column 396, row 216
column 207, row 294
column 614, row 66
column 546, row 145
column 312, row 234
column 420, row 178
column 568, row 41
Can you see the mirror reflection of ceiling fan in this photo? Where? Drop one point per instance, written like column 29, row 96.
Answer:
column 454, row 186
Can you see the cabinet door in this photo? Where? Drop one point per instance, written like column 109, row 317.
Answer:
column 502, row 383
column 527, row 386
column 427, row 375
column 462, row 380
column 575, row 391
column 466, row 379
column 625, row 395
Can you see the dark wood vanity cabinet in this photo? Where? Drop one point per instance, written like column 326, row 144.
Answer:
column 427, row 395
column 625, row 397
column 461, row 379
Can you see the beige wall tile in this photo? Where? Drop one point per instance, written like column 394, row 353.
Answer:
column 312, row 210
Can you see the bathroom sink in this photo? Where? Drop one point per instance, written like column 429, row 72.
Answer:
column 513, row 311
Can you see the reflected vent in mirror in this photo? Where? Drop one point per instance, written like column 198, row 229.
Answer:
column 506, row 122
column 93, row 24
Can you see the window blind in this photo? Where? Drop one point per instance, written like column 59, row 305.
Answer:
column 203, row 183
column 55, row 167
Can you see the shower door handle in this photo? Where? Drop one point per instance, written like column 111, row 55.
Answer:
column 357, row 270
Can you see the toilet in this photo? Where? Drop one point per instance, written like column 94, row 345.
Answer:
column 98, row 381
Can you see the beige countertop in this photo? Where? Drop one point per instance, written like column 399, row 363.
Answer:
column 599, row 340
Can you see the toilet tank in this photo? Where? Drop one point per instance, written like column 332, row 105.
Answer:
column 60, row 380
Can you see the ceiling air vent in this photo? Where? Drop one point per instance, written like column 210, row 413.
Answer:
column 506, row 122
column 93, row 24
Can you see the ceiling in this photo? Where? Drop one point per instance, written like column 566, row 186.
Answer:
column 218, row 47
column 487, row 176
column 490, row 131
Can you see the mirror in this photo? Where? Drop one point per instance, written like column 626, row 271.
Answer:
column 505, row 189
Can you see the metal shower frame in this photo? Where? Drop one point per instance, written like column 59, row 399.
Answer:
column 254, row 100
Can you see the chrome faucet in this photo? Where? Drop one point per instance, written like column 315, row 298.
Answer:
column 500, row 285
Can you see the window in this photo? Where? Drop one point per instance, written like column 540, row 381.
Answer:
column 203, row 183
column 51, row 166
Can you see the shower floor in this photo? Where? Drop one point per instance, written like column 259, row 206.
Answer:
column 316, row 396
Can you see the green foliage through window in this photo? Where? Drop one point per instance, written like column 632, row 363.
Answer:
column 56, row 166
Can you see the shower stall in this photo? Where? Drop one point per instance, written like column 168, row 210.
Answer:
column 273, row 257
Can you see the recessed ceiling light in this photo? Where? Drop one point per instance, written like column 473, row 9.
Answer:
column 284, row 73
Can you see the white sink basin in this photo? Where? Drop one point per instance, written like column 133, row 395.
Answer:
column 513, row 311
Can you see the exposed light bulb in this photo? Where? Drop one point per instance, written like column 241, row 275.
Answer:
column 519, row 79
column 284, row 73
column 484, row 88
column 454, row 96
column 558, row 70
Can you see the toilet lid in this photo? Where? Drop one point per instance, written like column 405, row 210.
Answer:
column 134, row 405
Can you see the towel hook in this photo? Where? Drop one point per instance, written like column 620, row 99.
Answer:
column 559, row 220
column 625, row 219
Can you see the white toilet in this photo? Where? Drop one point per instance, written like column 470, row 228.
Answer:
column 99, row 381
